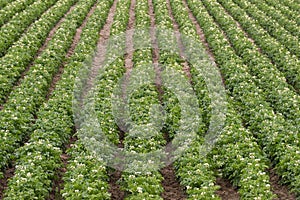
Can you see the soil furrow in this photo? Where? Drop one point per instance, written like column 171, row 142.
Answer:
column 227, row 190
column 199, row 32
column 129, row 39
column 226, row 187
column 155, row 52
column 8, row 173
column 172, row 188
column 281, row 191
column 115, row 190
column 58, row 182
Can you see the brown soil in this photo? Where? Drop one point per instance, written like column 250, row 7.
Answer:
column 186, row 68
column 9, row 172
column 115, row 190
column 155, row 52
column 58, row 182
column 172, row 189
column 281, row 191
column 227, row 190
column 99, row 57
column 129, row 39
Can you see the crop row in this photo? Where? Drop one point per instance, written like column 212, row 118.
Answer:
column 86, row 173
column 11, row 9
column 40, row 157
column 289, row 13
column 191, row 168
column 3, row 3
column 276, row 135
column 272, row 27
column 19, row 111
column 242, row 171
column 266, row 76
column 289, row 25
column 11, row 31
column 293, row 5
column 142, row 184
column 19, row 56
column 284, row 61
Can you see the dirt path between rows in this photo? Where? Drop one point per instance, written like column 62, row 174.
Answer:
column 172, row 188
column 9, row 172
column 115, row 190
column 281, row 191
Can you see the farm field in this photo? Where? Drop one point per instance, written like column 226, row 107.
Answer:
column 235, row 64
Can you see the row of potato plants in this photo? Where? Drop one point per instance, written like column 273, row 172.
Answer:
column 142, row 184
column 39, row 159
column 266, row 76
column 85, row 179
column 19, row 56
column 18, row 113
column 294, row 5
column 12, row 30
column 271, row 26
column 3, row 3
column 275, row 134
column 288, row 64
column 236, row 151
column 191, row 168
column 289, row 25
column 11, row 9
column 289, row 13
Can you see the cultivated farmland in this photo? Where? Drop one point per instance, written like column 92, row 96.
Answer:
column 238, row 56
